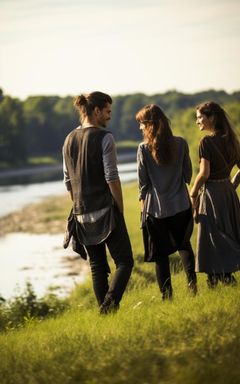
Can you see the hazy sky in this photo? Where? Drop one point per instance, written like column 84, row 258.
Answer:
column 66, row 47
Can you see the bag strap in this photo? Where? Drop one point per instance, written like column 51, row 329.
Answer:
column 221, row 155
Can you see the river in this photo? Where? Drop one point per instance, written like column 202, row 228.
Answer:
column 14, row 197
column 40, row 259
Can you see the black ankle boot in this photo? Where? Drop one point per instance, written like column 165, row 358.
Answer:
column 228, row 279
column 108, row 306
column 192, row 286
column 212, row 280
column 167, row 294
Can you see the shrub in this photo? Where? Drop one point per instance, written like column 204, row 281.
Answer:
column 26, row 307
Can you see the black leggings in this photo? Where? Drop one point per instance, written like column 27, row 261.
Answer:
column 163, row 268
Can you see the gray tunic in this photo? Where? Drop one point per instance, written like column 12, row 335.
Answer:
column 163, row 187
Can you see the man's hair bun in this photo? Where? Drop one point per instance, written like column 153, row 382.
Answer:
column 80, row 100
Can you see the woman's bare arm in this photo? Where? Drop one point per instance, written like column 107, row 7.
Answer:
column 201, row 178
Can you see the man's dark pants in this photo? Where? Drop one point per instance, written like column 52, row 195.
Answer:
column 119, row 246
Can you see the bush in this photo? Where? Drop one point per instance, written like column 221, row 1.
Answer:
column 25, row 308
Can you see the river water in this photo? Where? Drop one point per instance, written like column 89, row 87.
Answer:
column 40, row 259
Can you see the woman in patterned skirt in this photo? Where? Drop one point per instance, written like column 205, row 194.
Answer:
column 214, row 197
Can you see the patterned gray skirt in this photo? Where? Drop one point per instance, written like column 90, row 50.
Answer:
column 218, row 242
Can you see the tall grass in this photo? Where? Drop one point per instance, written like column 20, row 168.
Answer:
column 188, row 340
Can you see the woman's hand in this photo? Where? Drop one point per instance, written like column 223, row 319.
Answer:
column 201, row 178
column 194, row 201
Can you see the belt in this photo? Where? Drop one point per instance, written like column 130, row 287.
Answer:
column 217, row 180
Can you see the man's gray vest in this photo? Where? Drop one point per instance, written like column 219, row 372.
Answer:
column 83, row 157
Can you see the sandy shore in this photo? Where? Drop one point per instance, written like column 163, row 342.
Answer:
column 48, row 216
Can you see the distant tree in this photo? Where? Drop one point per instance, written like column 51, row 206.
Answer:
column 184, row 124
column 48, row 120
column 1, row 95
column 129, row 129
column 38, row 125
column 12, row 132
column 114, row 125
column 38, row 112
column 233, row 110
column 65, row 118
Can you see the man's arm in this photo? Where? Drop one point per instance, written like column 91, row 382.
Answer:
column 111, row 171
column 66, row 177
column 116, row 191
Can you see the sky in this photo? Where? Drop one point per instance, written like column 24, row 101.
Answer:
column 68, row 47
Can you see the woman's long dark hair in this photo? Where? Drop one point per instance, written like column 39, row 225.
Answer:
column 223, row 127
column 157, row 134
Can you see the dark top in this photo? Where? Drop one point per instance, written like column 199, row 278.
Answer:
column 213, row 149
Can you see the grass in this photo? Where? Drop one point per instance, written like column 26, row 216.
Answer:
column 32, row 161
column 43, row 160
column 127, row 144
column 189, row 340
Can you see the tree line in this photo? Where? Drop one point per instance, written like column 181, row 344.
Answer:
column 37, row 126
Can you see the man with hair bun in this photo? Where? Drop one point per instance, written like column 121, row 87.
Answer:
column 91, row 177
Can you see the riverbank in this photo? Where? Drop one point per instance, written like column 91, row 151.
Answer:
column 31, row 246
column 37, row 173
column 31, row 251
column 48, row 216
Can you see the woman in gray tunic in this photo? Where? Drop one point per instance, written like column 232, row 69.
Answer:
column 214, row 197
column 164, row 168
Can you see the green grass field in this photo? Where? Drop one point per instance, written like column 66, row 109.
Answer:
column 188, row 340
